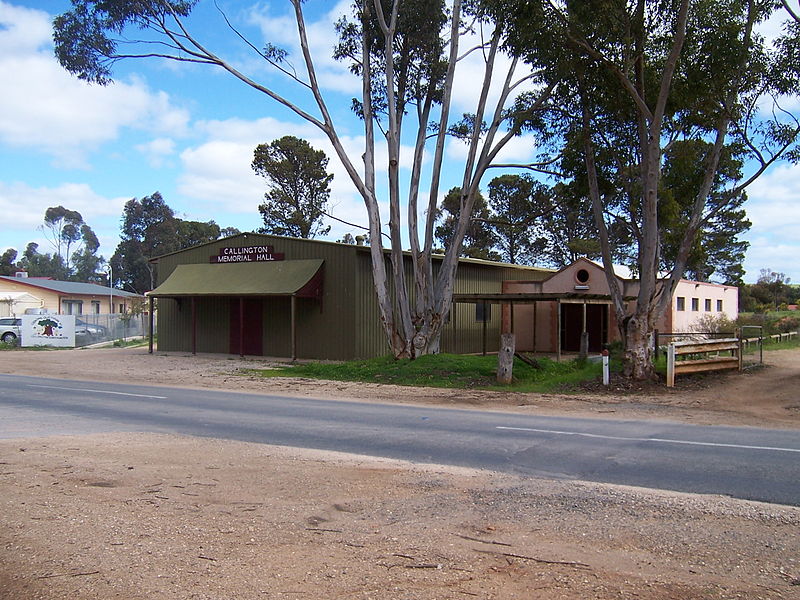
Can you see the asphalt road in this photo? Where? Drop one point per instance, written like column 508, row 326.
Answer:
column 744, row 462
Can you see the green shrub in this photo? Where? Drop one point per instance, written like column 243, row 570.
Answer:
column 785, row 324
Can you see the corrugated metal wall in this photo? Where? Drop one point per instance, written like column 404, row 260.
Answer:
column 175, row 324
column 324, row 331
column 347, row 324
column 463, row 334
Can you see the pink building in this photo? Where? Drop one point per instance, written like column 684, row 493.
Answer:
column 549, row 315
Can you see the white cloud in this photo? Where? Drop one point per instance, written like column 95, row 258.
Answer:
column 764, row 253
column 772, row 207
column 217, row 172
column 157, row 151
column 519, row 150
column 281, row 30
column 28, row 204
column 23, row 29
column 49, row 110
column 773, row 202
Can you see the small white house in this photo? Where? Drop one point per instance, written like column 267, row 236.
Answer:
column 693, row 300
column 14, row 304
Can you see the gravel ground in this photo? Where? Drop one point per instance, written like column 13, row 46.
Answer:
column 152, row 516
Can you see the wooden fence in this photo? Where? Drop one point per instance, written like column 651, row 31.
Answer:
column 710, row 355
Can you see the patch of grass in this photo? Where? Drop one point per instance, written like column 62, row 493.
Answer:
column 16, row 346
column 129, row 343
column 784, row 345
column 447, row 371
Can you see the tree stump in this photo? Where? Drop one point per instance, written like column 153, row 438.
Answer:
column 505, row 359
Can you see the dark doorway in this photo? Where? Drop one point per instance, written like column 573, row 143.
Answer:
column 248, row 331
column 572, row 326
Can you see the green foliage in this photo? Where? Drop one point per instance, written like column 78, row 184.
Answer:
column 446, row 371
column 419, row 64
column 150, row 228
column 299, row 189
column 569, row 230
column 42, row 265
column 64, row 228
column 788, row 323
column 130, row 343
column 479, row 239
column 10, row 345
column 717, row 252
column 709, row 323
column 85, row 37
column 7, row 266
column 518, row 202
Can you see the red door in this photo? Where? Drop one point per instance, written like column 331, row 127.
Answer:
column 247, row 326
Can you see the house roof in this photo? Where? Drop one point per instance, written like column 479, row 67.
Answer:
column 71, row 288
column 15, row 296
column 276, row 278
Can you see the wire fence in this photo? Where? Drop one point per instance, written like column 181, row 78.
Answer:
column 93, row 329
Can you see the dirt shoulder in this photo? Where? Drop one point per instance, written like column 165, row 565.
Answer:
column 145, row 516
column 148, row 516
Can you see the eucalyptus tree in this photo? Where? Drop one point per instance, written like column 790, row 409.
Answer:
column 636, row 77
column 62, row 228
column 717, row 253
column 406, row 54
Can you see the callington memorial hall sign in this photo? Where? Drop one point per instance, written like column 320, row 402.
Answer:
column 241, row 254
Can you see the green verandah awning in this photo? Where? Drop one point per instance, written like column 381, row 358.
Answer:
column 292, row 278
column 273, row 278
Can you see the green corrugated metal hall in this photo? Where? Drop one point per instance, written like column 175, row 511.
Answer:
column 242, row 295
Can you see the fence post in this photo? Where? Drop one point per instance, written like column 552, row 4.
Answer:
column 505, row 359
column 738, row 333
column 655, row 344
column 671, row 365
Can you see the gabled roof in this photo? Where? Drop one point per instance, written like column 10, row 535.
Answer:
column 359, row 248
column 71, row 288
column 15, row 296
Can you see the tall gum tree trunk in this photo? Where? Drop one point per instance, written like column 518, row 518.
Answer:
column 638, row 348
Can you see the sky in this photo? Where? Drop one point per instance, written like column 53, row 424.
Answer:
column 189, row 131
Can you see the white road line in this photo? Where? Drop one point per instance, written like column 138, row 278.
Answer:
column 656, row 440
column 53, row 387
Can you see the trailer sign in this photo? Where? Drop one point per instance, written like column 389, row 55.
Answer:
column 48, row 330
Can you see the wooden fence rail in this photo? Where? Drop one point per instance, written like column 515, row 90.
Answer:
column 712, row 355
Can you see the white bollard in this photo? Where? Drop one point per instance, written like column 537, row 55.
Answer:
column 605, row 368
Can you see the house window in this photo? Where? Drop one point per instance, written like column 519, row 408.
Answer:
column 681, row 303
column 483, row 312
column 695, row 304
column 708, row 304
column 96, row 307
column 72, row 307
column 582, row 276
column 719, row 305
